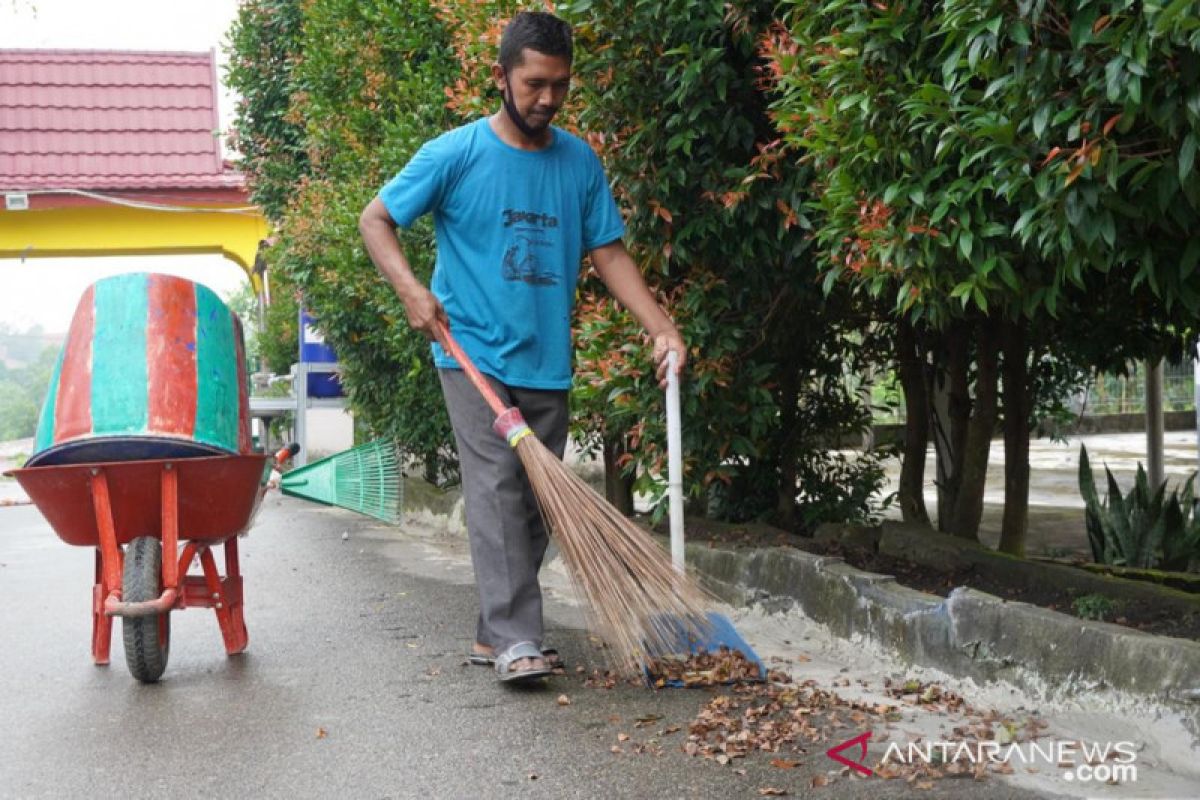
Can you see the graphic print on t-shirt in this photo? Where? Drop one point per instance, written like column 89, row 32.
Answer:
column 529, row 233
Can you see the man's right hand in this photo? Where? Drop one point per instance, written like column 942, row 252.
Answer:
column 424, row 310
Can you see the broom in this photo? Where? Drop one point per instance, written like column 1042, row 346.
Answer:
column 633, row 597
column 365, row 479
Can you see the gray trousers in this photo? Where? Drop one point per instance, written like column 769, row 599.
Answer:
column 507, row 535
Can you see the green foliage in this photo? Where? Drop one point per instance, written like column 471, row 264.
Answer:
column 1094, row 606
column 264, row 48
column 838, row 487
column 366, row 90
column 279, row 342
column 985, row 153
column 18, row 412
column 244, row 303
column 1143, row 529
column 670, row 95
column 22, row 389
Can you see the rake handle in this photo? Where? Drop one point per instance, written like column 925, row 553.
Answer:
column 442, row 332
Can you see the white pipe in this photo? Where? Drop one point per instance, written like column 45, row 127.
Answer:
column 674, row 462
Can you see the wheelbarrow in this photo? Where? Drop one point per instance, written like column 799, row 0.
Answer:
column 143, row 452
column 137, row 514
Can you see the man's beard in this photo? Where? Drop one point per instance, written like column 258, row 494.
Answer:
column 531, row 131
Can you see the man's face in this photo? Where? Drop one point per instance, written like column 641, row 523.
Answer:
column 539, row 87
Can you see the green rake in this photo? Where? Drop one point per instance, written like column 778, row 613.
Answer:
column 366, row 479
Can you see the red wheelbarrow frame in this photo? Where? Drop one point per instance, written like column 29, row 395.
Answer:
column 203, row 502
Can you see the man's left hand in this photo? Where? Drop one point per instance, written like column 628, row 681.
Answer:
column 665, row 342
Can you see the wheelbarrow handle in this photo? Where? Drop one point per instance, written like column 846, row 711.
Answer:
column 285, row 454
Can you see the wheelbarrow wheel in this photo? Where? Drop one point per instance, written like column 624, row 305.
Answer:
column 147, row 639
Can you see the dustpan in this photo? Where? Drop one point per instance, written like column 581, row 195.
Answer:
column 720, row 631
column 366, row 479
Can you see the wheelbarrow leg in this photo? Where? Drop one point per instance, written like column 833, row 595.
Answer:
column 233, row 582
column 108, row 567
column 224, row 593
column 101, row 623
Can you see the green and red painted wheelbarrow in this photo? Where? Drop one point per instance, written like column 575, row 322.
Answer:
column 143, row 452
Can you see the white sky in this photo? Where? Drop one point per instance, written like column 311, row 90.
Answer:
column 44, row 291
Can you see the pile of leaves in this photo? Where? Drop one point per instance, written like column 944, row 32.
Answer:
column 703, row 669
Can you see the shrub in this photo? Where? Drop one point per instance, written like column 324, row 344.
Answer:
column 1094, row 606
column 1143, row 529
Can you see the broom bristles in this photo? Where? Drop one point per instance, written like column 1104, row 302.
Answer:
column 633, row 596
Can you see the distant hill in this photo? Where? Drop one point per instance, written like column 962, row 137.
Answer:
column 19, row 349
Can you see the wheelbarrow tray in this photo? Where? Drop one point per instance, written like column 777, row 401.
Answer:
column 217, row 497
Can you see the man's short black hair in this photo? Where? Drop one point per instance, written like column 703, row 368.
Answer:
column 537, row 30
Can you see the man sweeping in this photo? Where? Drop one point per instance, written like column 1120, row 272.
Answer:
column 516, row 205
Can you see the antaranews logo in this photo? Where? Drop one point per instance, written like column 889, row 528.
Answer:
column 860, row 741
column 1103, row 762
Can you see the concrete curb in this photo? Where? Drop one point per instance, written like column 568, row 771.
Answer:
column 969, row 634
column 440, row 509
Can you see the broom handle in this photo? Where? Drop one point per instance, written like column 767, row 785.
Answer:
column 674, row 462
column 452, row 347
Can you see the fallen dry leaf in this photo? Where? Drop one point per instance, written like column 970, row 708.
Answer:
column 818, row 781
column 616, row 749
column 321, row 733
column 771, row 791
column 622, row 737
column 563, row 700
column 784, row 763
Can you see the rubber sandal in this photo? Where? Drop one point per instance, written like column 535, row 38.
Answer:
column 551, row 656
column 518, row 651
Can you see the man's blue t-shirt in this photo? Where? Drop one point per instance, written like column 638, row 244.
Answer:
column 512, row 227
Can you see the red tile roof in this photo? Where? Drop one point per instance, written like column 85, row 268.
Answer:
column 88, row 119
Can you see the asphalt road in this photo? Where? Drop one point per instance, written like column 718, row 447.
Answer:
column 354, row 685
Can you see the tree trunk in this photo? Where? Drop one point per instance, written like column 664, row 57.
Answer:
column 618, row 488
column 968, row 505
column 1016, row 438
column 916, row 426
column 785, row 496
column 950, row 408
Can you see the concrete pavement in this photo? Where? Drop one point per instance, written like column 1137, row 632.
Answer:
column 353, row 686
